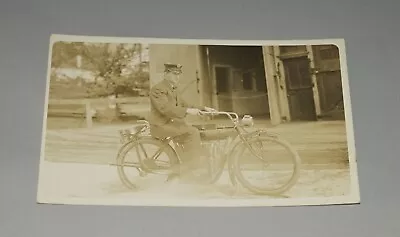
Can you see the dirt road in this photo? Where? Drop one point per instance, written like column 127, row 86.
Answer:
column 99, row 184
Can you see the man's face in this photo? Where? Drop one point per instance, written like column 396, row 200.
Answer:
column 173, row 77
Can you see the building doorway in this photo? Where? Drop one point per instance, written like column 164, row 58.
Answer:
column 223, row 81
column 236, row 79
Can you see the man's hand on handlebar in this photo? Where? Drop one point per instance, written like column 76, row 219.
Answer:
column 193, row 111
column 208, row 109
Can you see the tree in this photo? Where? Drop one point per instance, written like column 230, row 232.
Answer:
column 107, row 60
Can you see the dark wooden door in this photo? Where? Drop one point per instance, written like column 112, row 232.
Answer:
column 327, row 70
column 299, row 88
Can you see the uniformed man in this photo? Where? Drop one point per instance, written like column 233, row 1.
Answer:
column 168, row 112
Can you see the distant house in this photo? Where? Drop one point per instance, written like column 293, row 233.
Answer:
column 285, row 83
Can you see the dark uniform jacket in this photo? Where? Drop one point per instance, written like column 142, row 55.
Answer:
column 168, row 110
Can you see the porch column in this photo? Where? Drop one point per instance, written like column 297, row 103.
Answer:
column 200, row 75
column 272, row 87
column 281, row 85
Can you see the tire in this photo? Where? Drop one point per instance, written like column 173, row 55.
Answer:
column 295, row 159
column 172, row 157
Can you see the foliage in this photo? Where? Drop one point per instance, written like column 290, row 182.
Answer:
column 110, row 63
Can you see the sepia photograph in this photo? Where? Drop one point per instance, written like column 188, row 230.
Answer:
column 179, row 122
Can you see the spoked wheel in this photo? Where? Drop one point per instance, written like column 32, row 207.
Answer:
column 144, row 156
column 271, row 167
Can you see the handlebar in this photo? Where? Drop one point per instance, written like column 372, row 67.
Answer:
column 232, row 116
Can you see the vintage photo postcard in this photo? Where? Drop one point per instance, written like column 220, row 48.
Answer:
column 174, row 122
